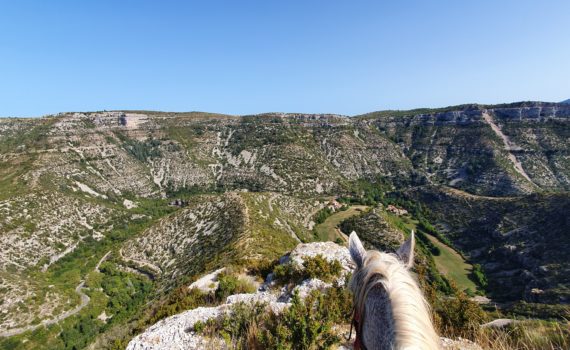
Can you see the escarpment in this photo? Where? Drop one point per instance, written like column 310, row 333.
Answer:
column 128, row 206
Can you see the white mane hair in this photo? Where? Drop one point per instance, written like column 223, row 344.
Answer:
column 402, row 301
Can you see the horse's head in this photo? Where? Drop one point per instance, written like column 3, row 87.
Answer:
column 390, row 310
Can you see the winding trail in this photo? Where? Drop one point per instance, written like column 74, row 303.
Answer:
column 84, row 301
column 157, row 270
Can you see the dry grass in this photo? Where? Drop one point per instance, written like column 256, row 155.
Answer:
column 525, row 335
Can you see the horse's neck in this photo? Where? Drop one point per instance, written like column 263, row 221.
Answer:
column 378, row 329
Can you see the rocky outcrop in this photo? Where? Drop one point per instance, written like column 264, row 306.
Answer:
column 177, row 332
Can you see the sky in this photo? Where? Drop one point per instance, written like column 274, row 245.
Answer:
column 247, row 57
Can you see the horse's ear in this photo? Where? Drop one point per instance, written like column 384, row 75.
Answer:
column 357, row 251
column 406, row 251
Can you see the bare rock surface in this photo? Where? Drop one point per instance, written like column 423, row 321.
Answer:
column 208, row 282
column 499, row 323
column 458, row 344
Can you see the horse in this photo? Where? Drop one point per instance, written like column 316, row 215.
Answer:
column 390, row 311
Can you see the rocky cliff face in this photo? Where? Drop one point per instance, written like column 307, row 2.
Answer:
column 499, row 150
column 492, row 151
column 78, row 185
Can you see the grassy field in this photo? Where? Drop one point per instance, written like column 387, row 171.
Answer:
column 449, row 262
column 452, row 265
column 328, row 230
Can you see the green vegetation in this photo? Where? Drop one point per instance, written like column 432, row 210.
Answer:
column 114, row 293
column 429, row 229
column 306, row 324
column 479, row 276
column 143, row 150
column 527, row 334
column 230, row 284
column 542, row 311
column 33, row 136
column 449, row 262
column 423, row 238
column 125, row 294
column 323, row 214
column 452, row 265
column 38, row 159
column 458, row 316
column 120, row 295
column 327, row 230
column 313, row 267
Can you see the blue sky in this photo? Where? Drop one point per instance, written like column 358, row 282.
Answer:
column 242, row 57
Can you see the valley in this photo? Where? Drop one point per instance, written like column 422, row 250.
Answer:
column 106, row 215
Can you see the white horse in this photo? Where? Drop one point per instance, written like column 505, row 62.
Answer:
column 390, row 311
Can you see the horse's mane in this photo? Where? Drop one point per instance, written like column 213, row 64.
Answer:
column 413, row 326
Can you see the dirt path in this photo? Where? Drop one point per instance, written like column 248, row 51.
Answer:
column 508, row 147
column 101, row 261
column 84, row 301
column 459, row 193
column 154, row 268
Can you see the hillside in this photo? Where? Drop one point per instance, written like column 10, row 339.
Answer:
column 520, row 242
column 125, row 207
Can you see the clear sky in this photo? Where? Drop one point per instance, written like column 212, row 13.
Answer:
column 242, row 57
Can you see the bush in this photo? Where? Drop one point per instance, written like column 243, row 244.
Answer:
column 321, row 268
column 435, row 250
column 180, row 299
column 313, row 267
column 322, row 215
column 479, row 276
column 458, row 316
column 230, row 284
column 306, row 324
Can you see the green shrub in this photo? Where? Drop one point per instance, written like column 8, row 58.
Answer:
column 143, row 150
column 199, row 326
column 322, row 215
column 313, row 267
column 180, row 299
column 230, row 284
column 285, row 273
column 306, row 324
column 427, row 227
column 321, row 268
column 435, row 250
column 458, row 315
column 479, row 276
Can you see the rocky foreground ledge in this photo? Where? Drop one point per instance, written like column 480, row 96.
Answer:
column 177, row 332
